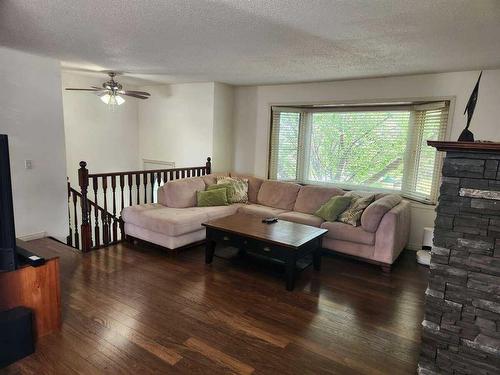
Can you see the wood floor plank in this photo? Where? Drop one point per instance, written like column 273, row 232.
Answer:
column 219, row 357
column 133, row 309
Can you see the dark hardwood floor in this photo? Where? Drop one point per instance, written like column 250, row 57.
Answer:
column 134, row 309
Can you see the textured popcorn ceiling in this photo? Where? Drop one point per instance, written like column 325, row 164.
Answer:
column 257, row 41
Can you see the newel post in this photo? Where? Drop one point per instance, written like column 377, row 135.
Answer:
column 85, row 230
column 209, row 165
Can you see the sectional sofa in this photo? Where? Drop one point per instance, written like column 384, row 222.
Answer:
column 175, row 221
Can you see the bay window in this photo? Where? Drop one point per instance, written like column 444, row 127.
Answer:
column 369, row 147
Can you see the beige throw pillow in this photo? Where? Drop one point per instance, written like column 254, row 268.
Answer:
column 353, row 213
column 239, row 188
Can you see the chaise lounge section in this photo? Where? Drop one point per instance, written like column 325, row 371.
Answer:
column 175, row 221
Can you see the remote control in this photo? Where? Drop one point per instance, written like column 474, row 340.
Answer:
column 270, row 220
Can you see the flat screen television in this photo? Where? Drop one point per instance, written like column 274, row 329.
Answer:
column 11, row 255
column 8, row 259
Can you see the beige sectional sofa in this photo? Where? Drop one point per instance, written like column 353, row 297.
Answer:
column 175, row 221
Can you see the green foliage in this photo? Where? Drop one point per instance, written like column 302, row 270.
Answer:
column 288, row 146
column 359, row 148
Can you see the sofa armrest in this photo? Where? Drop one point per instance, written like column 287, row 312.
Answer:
column 372, row 216
column 393, row 233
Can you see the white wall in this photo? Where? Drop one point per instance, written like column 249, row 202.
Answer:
column 222, row 151
column 186, row 123
column 107, row 139
column 252, row 114
column 175, row 124
column 31, row 115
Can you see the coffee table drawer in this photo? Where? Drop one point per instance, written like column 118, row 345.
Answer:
column 264, row 249
column 224, row 238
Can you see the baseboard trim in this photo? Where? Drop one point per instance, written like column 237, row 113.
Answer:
column 414, row 246
column 33, row 236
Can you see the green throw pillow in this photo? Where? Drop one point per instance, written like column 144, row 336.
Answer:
column 214, row 197
column 333, row 208
column 220, row 186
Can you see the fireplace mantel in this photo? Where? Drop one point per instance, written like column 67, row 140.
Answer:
column 486, row 147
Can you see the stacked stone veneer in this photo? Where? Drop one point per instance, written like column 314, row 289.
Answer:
column 461, row 328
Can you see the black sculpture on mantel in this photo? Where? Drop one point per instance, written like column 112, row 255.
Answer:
column 467, row 135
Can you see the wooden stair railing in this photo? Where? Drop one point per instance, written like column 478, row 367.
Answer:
column 114, row 186
column 74, row 211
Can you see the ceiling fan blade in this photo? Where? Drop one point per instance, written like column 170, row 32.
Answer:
column 74, row 89
column 143, row 93
column 98, row 88
column 128, row 93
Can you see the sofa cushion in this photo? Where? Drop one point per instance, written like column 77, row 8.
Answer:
column 167, row 220
column 173, row 221
column 373, row 214
column 310, row 198
column 254, row 184
column 211, row 179
column 346, row 232
column 301, row 218
column 180, row 193
column 222, row 211
column 260, row 210
column 278, row 194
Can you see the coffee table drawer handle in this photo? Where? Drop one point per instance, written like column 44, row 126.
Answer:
column 267, row 249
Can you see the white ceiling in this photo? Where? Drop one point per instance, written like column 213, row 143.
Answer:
column 257, row 41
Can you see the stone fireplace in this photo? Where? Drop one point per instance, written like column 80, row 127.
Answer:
column 461, row 327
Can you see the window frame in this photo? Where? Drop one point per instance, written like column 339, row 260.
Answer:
column 344, row 106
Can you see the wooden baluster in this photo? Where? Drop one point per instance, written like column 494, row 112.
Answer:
column 69, row 238
column 171, row 175
column 83, row 180
column 177, row 174
column 105, row 221
column 105, row 228
column 153, row 181
column 115, row 224
column 130, row 189
column 208, row 165
column 113, row 235
column 165, row 177
column 97, row 235
column 75, row 212
column 120, row 222
column 138, row 184
column 183, row 173
column 122, row 186
column 90, row 225
column 145, row 178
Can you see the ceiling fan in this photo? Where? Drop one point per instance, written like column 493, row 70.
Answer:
column 111, row 91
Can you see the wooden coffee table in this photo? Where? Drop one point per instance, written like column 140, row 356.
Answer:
column 283, row 241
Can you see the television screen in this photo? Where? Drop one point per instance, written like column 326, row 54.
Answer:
column 7, row 231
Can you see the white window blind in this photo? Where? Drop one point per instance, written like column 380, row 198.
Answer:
column 381, row 147
column 285, row 135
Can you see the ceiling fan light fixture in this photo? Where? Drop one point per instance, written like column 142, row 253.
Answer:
column 119, row 100
column 112, row 92
column 106, row 98
column 112, row 99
